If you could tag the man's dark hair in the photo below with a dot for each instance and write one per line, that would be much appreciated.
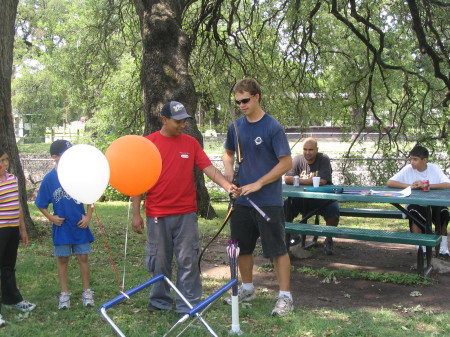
(419, 151)
(248, 84)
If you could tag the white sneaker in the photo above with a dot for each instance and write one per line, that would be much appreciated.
(243, 296)
(88, 298)
(444, 252)
(64, 300)
(443, 249)
(23, 306)
(283, 307)
(2, 321)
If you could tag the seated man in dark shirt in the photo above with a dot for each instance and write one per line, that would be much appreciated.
(308, 165)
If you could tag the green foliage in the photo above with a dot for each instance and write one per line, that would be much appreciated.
(34, 148)
(330, 275)
(216, 193)
(82, 64)
(359, 69)
(39, 100)
(356, 66)
(381, 170)
(111, 194)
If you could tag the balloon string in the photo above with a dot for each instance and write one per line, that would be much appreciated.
(126, 245)
(103, 232)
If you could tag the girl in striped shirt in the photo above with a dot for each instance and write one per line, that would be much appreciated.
(12, 229)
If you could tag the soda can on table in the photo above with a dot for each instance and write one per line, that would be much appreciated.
(426, 185)
(296, 181)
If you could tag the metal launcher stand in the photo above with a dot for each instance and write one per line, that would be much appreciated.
(195, 312)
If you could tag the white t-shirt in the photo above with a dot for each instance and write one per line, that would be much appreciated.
(433, 174)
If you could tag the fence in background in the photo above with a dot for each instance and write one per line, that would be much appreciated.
(35, 166)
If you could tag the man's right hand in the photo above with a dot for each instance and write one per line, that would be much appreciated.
(138, 224)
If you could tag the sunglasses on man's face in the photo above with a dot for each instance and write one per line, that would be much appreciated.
(244, 100)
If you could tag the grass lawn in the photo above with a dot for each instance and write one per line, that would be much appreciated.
(37, 279)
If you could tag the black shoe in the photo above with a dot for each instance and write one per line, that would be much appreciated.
(152, 309)
(328, 246)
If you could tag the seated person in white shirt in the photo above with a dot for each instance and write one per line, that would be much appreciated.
(413, 175)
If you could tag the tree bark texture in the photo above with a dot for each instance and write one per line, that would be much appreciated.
(165, 76)
(8, 12)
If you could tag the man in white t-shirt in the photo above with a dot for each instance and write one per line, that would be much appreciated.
(413, 175)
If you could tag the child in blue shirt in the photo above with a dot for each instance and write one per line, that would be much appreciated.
(70, 231)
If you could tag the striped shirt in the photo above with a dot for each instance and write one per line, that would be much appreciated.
(9, 202)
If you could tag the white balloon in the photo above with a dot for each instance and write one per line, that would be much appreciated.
(83, 172)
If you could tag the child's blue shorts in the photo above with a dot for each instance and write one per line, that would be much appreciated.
(68, 250)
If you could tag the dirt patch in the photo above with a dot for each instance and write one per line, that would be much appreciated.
(347, 293)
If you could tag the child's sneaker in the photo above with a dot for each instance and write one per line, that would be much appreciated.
(2, 321)
(243, 296)
(88, 298)
(64, 300)
(23, 306)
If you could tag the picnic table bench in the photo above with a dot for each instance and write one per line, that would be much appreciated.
(427, 240)
(371, 213)
(350, 212)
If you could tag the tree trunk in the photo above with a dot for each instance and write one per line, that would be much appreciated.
(8, 11)
(164, 73)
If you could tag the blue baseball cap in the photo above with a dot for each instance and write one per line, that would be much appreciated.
(174, 110)
(59, 146)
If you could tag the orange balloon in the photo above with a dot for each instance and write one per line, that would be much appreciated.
(135, 164)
